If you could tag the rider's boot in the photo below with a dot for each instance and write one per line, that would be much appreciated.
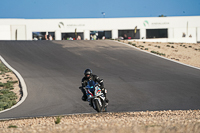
(84, 97)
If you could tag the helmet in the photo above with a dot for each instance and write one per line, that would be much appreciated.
(88, 72)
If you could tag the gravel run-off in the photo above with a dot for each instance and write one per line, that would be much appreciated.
(177, 121)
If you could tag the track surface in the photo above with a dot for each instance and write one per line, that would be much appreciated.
(136, 81)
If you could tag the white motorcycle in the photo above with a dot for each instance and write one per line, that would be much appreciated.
(95, 97)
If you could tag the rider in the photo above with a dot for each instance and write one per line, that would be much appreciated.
(89, 76)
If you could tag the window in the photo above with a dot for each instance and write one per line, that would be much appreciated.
(157, 33)
(129, 34)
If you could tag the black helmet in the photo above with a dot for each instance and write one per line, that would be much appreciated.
(88, 72)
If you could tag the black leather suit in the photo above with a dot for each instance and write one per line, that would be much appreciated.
(95, 78)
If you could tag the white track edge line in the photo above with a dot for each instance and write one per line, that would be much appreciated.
(159, 56)
(22, 82)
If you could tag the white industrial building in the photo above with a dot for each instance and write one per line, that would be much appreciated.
(156, 29)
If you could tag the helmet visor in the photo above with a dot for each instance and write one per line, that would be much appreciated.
(87, 75)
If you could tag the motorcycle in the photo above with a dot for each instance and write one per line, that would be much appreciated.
(95, 97)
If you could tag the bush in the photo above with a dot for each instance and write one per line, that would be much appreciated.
(190, 46)
(134, 44)
(153, 52)
(146, 49)
(3, 105)
(57, 120)
(4, 99)
(12, 126)
(11, 95)
(172, 46)
(129, 43)
(7, 100)
(168, 45)
(7, 85)
(158, 46)
(5, 91)
(163, 54)
(1, 84)
(157, 53)
(3, 68)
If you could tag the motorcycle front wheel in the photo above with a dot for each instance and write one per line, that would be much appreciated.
(98, 107)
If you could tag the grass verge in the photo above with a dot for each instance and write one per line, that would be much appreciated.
(7, 97)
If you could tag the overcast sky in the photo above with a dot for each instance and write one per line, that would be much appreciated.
(39, 9)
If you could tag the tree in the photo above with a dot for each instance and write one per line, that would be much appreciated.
(162, 15)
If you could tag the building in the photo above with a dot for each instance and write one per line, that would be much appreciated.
(151, 29)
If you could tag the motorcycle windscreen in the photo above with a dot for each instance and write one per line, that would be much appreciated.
(91, 85)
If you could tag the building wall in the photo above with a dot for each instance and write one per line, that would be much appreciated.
(18, 32)
(176, 27)
(5, 32)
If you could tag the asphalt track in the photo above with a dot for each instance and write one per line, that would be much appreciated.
(136, 81)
